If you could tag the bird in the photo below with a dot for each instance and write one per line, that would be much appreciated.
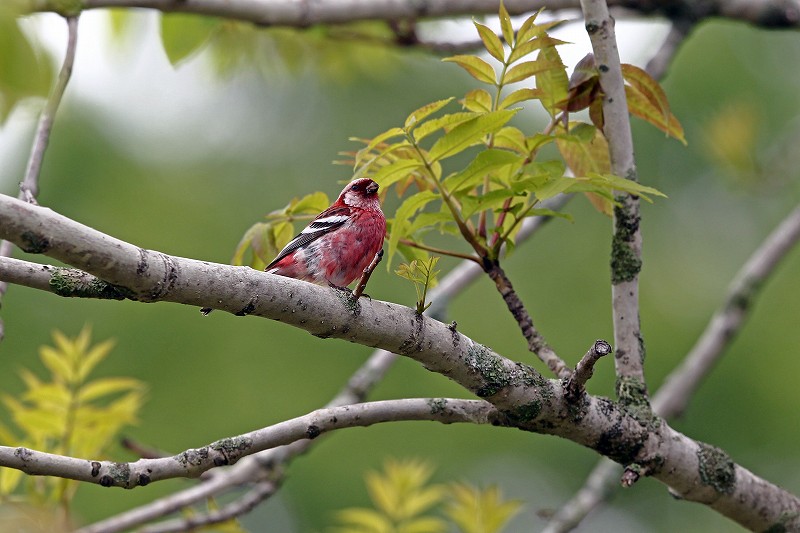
(339, 243)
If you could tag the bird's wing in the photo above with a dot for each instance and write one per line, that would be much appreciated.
(329, 220)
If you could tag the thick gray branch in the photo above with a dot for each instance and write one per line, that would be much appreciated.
(302, 13)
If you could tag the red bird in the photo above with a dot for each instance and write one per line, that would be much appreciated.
(340, 242)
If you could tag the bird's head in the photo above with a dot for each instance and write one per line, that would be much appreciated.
(361, 193)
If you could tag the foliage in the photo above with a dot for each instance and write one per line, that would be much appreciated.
(422, 273)
(480, 511)
(24, 70)
(68, 414)
(403, 501)
(504, 180)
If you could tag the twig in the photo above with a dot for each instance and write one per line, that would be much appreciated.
(141, 450)
(362, 283)
(576, 384)
(536, 342)
(626, 250)
(241, 506)
(660, 62)
(681, 384)
(440, 251)
(597, 488)
(29, 187)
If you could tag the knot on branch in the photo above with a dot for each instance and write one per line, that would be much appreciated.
(575, 385)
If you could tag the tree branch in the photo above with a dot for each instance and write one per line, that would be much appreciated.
(523, 398)
(626, 248)
(680, 385)
(193, 462)
(764, 13)
(29, 187)
(241, 506)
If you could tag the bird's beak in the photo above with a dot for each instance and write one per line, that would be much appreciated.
(372, 188)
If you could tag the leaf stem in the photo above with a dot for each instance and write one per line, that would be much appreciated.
(440, 251)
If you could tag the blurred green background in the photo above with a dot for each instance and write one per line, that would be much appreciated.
(183, 161)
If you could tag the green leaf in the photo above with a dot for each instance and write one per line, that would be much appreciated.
(480, 511)
(385, 136)
(107, 386)
(469, 133)
(396, 171)
(505, 25)
(183, 35)
(484, 163)
(528, 29)
(525, 70)
(490, 200)
(647, 100)
(528, 47)
(511, 138)
(312, 203)
(520, 95)
(423, 112)
(478, 100)
(553, 82)
(56, 363)
(476, 67)
(363, 521)
(624, 185)
(402, 218)
(94, 356)
(119, 21)
(446, 122)
(640, 106)
(491, 41)
(24, 71)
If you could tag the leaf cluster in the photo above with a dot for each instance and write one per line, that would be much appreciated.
(68, 413)
(24, 69)
(422, 273)
(505, 178)
(403, 502)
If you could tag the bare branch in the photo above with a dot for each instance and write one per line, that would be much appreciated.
(626, 249)
(29, 188)
(597, 488)
(660, 62)
(679, 387)
(193, 462)
(257, 494)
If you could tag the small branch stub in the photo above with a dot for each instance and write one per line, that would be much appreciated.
(575, 385)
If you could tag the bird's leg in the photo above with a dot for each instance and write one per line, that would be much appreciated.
(362, 283)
